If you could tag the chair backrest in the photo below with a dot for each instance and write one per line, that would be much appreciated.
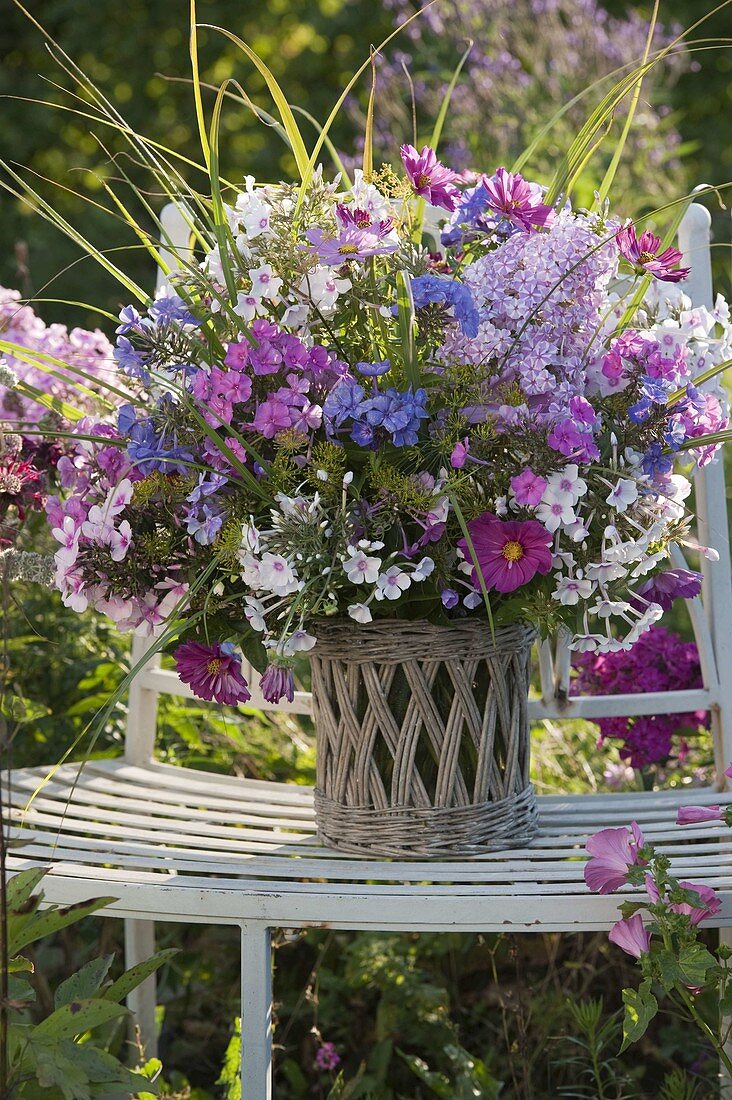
(711, 614)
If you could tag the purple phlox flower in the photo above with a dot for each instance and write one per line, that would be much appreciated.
(374, 370)
(528, 488)
(130, 361)
(204, 525)
(583, 412)
(129, 319)
(573, 439)
(429, 289)
(277, 681)
(212, 671)
(206, 487)
(237, 355)
(149, 451)
(272, 416)
(646, 258)
(430, 179)
(631, 935)
(327, 1057)
(350, 244)
(262, 329)
(171, 309)
(459, 454)
(673, 584)
(518, 201)
(613, 852)
(449, 598)
(343, 402)
(308, 418)
(266, 358)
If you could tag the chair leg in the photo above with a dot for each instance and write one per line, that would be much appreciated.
(256, 1012)
(139, 946)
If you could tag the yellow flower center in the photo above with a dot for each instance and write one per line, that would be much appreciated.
(347, 249)
(513, 551)
(423, 181)
(646, 257)
(214, 666)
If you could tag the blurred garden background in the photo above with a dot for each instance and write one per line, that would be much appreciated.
(408, 1017)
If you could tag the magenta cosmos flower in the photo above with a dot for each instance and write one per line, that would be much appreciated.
(613, 852)
(212, 672)
(430, 179)
(517, 200)
(509, 552)
(631, 935)
(645, 256)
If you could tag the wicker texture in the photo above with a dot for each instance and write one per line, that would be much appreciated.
(423, 738)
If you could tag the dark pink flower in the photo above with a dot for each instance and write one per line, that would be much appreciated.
(509, 552)
(645, 256)
(695, 815)
(459, 455)
(613, 852)
(710, 903)
(430, 179)
(212, 672)
(327, 1057)
(673, 584)
(518, 201)
(276, 682)
(631, 935)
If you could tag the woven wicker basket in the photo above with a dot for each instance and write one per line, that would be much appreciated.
(422, 738)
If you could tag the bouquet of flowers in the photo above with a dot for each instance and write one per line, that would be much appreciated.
(332, 420)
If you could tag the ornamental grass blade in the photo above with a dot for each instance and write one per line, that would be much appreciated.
(292, 130)
(197, 97)
(407, 325)
(444, 106)
(222, 229)
(368, 141)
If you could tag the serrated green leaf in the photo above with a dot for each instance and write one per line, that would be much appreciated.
(640, 1008)
(693, 963)
(54, 1068)
(84, 983)
(133, 977)
(76, 1018)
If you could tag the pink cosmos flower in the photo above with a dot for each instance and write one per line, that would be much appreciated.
(613, 851)
(517, 200)
(644, 255)
(631, 935)
(509, 552)
(528, 488)
(212, 671)
(695, 815)
(351, 244)
(430, 179)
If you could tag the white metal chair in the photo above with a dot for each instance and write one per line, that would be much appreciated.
(181, 845)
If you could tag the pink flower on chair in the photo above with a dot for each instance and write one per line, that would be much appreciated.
(212, 671)
(710, 906)
(631, 935)
(613, 852)
(695, 815)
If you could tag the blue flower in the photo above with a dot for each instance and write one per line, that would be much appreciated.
(130, 319)
(130, 360)
(374, 370)
(640, 411)
(656, 462)
(205, 525)
(171, 309)
(342, 402)
(148, 451)
(427, 289)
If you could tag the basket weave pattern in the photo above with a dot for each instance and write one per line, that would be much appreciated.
(423, 738)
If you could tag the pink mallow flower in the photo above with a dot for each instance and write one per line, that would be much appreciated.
(710, 903)
(644, 254)
(430, 179)
(631, 935)
(212, 672)
(518, 201)
(509, 553)
(613, 852)
(695, 815)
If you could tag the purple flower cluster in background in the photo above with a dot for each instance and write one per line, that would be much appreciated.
(659, 661)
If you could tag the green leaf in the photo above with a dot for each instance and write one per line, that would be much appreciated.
(55, 1068)
(52, 920)
(84, 983)
(640, 1008)
(693, 963)
(21, 886)
(133, 977)
(76, 1018)
(407, 324)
